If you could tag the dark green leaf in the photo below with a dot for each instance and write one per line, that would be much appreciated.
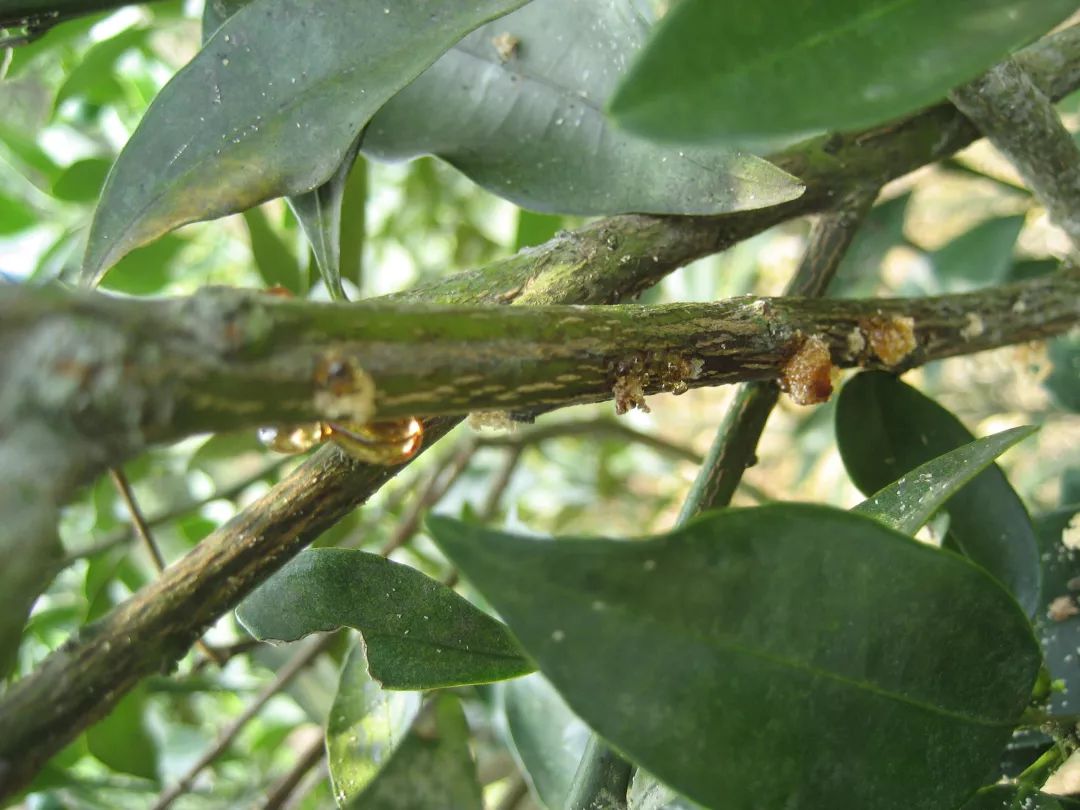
(81, 181)
(906, 504)
(274, 259)
(365, 725)
(146, 270)
(836, 651)
(269, 107)
(419, 634)
(1010, 797)
(431, 769)
(121, 740)
(518, 107)
(978, 257)
(1057, 626)
(319, 212)
(885, 428)
(741, 71)
(545, 735)
(1063, 382)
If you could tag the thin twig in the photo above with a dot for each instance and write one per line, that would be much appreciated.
(437, 486)
(310, 757)
(294, 667)
(500, 482)
(142, 531)
(514, 794)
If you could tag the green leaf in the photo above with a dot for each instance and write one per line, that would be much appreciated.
(1063, 382)
(535, 229)
(885, 428)
(15, 215)
(269, 107)
(419, 634)
(147, 270)
(319, 212)
(979, 257)
(274, 258)
(1011, 797)
(883, 229)
(431, 769)
(93, 78)
(1058, 631)
(518, 107)
(81, 181)
(364, 727)
(121, 740)
(547, 738)
(789, 656)
(907, 504)
(731, 72)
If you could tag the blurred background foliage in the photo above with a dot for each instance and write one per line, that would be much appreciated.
(68, 102)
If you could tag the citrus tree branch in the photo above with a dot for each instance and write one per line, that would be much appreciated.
(601, 263)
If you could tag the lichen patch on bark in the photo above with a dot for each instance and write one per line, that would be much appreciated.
(807, 375)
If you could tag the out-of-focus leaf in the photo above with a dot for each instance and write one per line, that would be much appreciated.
(419, 634)
(518, 107)
(732, 72)
(94, 77)
(30, 160)
(121, 740)
(1058, 619)
(1063, 382)
(535, 229)
(147, 270)
(82, 180)
(50, 44)
(979, 257)
(1031, 268)
(906, 504)
(1012, 797)
(274, 259)
(365, 725)
(431, 769)
(885, 428)
(269, 107)
(15, 215)
(823, 643)
(547, 738)
(882, 230)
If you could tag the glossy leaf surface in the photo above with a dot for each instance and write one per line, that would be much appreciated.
(431, 769)
(419, 634)
(836, 650)
(885, 428)
(717, 71)
(907, 503)
(269, 107)
(364, 727)
(518, 107)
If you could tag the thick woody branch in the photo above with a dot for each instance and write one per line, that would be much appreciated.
(224, 359)
(601, 263)
(1021, 122)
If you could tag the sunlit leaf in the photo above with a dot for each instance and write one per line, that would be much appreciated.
(820, 642)
(737, 71)
(431, 769)
(269, 107)
(906, 504)
(364, 727)
(885, 428)
(419, 634)
(518, 107)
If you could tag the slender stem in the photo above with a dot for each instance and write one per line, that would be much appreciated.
(1036, 774)
(500, 482)
(294, 667)
(310, 758)
(601, 780)
(1020, 120)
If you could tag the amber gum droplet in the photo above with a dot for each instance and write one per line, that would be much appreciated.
(293, 438)
(388, 443)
